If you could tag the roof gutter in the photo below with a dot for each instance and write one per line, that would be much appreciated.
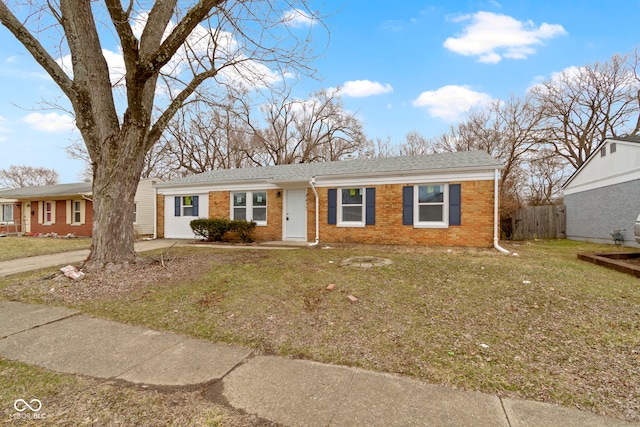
(312, 182)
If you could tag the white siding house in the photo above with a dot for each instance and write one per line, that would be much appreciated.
(145, 207)
(603, 195)
(180, 208)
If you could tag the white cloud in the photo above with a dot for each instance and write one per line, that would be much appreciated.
(11, 59)
(297, 18)
(363, 88)
(115, 62)
(449, 102)
(201, 45)
(492, 36)
(50, 122)
(392, 25)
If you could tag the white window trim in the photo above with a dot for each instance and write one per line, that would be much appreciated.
(355, 224)
(445, 207)
(249, 206)
(42, 212)
(79, 212)
(3, 206)
(71, 212)
(183, 206)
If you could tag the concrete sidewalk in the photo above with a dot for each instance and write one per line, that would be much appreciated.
(23, 265)
(288, 392)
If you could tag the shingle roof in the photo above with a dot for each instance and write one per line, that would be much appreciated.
(47, 191)
(632, 138)
(345, 168)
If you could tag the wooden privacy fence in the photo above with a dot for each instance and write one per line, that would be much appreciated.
(540, 222)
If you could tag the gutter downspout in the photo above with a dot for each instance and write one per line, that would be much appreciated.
(155, 212)
(312, 182)
(496, 217)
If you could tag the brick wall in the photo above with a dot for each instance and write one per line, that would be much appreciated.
(160, 216)
(220, 207)
(61, 227)
(476, 229)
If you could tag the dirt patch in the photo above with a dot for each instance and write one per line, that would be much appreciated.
(366, 262)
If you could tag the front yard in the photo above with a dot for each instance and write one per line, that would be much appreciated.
(541, 326)
(12, 247)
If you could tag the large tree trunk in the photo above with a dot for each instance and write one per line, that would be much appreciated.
(115, 181)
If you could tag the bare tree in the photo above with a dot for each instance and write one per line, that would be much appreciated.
(304, 130)
(416, 144)
(508, 130)
(583, 106)
(208, 135)
(122, 116)
(546, 172)
(77, 150)
(27, 176)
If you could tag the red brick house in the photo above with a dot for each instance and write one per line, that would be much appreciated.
(67, 209)
(446, 199)
(9, 213)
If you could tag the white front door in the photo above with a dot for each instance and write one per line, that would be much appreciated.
(295, 215)
(26, 217)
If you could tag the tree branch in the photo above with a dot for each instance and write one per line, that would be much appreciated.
(39, 53)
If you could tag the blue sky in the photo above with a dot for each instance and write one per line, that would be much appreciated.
(404, 66)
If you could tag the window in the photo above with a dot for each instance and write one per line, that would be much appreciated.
(77, 212)
(7, 212)
(183, 206)
(612, 147)
(135, 213)
(249, 206)
(430, 203)
(259, 200)
(603, 151)
(351, 207)
(430, 206)
(187, 206)
(47, 211)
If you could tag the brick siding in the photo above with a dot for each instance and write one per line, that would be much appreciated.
(61, 227)
(160, 216)
(476, 229)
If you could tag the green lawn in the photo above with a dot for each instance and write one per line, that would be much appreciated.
(12, 247)
(541, 326)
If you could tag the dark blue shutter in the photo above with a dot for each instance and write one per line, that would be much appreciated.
(332, 195)
(455, 204)
(194, 200)
(177, 206)
(370, 217)
(407, 205)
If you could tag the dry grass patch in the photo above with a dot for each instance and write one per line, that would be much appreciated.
(541, 326)
(69, 400)
(13, 247)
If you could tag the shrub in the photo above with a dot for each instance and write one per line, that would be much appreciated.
(214, 229)
(244, 229)
(211, 229)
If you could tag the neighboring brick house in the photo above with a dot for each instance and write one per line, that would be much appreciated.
(9, 214)
(439, 199)
(603, 195)
(67, 208)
